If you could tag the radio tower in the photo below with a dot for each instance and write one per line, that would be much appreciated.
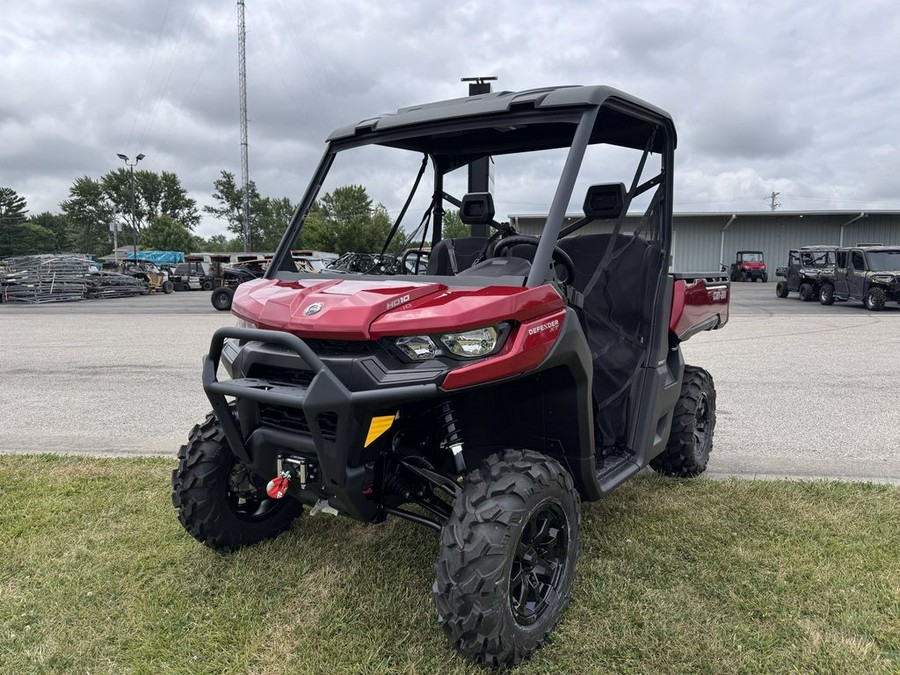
(245, 161)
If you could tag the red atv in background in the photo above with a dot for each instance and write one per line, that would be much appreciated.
(487, 397)
(749, 266)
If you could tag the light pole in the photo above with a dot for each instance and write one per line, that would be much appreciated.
(131, 166)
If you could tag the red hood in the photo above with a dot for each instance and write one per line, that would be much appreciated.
(754, 265)
(356, 309)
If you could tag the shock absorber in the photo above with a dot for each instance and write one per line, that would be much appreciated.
(451, 436)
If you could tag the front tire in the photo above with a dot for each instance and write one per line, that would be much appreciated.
(807, 292)
(507, 557)
(875, 299)
(693, 422)
(826, 294)
(220, 502)
(221, 298)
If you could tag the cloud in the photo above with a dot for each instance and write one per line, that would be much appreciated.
(787, 96)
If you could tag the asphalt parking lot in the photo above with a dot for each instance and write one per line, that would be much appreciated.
(803, 390)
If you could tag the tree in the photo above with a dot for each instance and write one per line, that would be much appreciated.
(219, 243)
(453, 226)
(167, 234)
(272, 219)
(12, 216)
(231, 204)
(345, 219)
(12, 207)
(89, 212)
(155, 195)
(58, 225)
(30, 239)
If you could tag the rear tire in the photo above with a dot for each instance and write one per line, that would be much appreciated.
(220, 502)
(693, 422)
(875, 299)
(826, 294)
(507, 557)
(168, 287)
(806, 292)
(221, 298)
(781, 289)
(207, 285)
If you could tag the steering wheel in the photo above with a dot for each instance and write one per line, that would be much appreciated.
(560, 257)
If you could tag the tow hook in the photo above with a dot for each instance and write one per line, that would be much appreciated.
(278, 486)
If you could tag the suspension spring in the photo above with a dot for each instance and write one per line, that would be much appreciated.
(451, 435)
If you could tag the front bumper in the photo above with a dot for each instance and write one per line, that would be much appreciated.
(331, 420)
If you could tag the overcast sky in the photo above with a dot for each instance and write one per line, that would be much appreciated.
(796, 97)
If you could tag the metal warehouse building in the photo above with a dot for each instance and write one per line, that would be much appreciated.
(704, 240)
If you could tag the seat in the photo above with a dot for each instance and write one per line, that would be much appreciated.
(452, 256)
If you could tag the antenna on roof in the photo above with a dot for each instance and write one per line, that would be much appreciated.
(481, 79)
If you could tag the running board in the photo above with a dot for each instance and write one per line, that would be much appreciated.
(611, 477)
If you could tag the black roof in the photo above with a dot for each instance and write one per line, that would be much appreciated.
(623, 120)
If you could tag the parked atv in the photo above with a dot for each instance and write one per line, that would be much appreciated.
(809, 273)
(192, 275)
(749, 266)
(232, 277)
(154, 278)
(486, 398)
(870, 274)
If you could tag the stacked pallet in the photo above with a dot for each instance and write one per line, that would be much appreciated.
(113, 285)
(40, 279)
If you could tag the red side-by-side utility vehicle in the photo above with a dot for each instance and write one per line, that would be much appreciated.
(523, 373)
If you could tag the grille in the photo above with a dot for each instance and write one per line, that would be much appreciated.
(288, 376)
(293, 420)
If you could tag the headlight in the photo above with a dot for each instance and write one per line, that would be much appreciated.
(246, 324)
(417, 347)
(883, 278)
(471, 343)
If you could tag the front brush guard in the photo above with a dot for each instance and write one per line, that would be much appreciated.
(325, 394)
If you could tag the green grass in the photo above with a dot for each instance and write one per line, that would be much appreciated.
(97, 576)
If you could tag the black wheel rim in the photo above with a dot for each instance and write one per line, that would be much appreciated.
(246, 495)
(701, 423)
(539, 564)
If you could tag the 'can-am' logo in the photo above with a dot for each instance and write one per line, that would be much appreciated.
(396, 302)
(314, 308)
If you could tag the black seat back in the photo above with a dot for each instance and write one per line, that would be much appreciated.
(452, 256)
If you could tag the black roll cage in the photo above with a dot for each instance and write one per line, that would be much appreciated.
(584, 117)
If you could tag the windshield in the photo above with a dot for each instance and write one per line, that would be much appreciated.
(751, 256)
(817, 258)
(373, 202)
(884, 261)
